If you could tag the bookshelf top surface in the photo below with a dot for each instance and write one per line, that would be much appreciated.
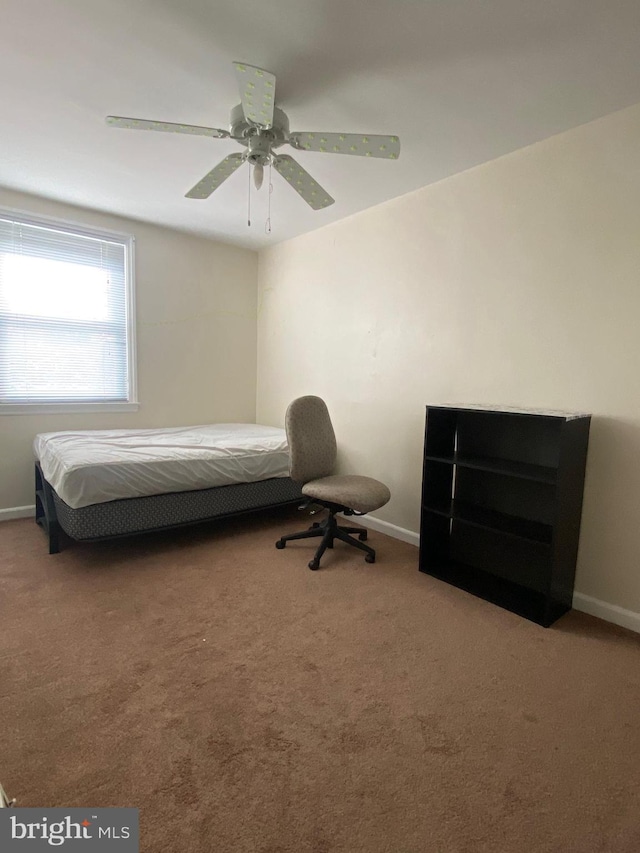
(513, 410)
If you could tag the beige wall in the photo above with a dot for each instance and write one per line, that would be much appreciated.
(515, 283)
(196, 335)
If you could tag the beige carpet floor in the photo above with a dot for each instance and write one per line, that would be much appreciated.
(248, 705)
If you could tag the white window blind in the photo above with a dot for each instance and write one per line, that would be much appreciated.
(64, 306)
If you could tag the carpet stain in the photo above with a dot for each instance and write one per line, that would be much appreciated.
(512, 800)
(120, 693)
(276, 742)
(179, 785)
(350, 740)
(435, 739)
(225, 751)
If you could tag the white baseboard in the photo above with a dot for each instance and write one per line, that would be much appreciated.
(608, 612)
(17, 512)
(373, 523)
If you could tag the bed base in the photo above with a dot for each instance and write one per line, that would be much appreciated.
(117, 519)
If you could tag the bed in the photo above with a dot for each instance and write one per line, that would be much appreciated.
(102, 484)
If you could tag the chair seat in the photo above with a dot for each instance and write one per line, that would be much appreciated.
(362, 494)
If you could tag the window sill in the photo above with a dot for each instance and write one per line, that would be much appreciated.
(64, 408)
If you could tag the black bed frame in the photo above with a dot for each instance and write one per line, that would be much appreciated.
(132, 516)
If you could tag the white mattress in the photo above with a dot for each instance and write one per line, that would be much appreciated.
(95, 466)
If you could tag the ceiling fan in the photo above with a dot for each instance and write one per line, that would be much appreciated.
(261, 127)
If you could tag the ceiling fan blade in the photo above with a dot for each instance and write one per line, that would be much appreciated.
(302, 182)
(257, 93)
(216, 176)
(166, 126)
(359, 144)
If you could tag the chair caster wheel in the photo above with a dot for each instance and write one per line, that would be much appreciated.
(314, 525)
(314, 565)
(280, 544)
(363, 536)
(369, 558)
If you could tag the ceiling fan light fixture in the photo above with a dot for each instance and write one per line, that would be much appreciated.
(258, 175)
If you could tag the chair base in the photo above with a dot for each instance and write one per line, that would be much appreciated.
(330, 530)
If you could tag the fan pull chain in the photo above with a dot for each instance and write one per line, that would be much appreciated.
(267, 224)
(249, 200)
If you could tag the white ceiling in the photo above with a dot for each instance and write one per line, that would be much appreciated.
(460, 81)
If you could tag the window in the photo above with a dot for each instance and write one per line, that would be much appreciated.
(66, 317)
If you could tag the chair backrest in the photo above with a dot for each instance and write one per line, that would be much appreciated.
(312, 441)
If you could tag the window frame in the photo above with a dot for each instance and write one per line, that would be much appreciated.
(128, 241)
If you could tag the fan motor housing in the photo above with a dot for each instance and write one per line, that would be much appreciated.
(258, 139)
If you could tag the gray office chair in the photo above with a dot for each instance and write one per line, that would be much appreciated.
(312, 449)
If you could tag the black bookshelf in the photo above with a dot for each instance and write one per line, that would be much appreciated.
(501, 505)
